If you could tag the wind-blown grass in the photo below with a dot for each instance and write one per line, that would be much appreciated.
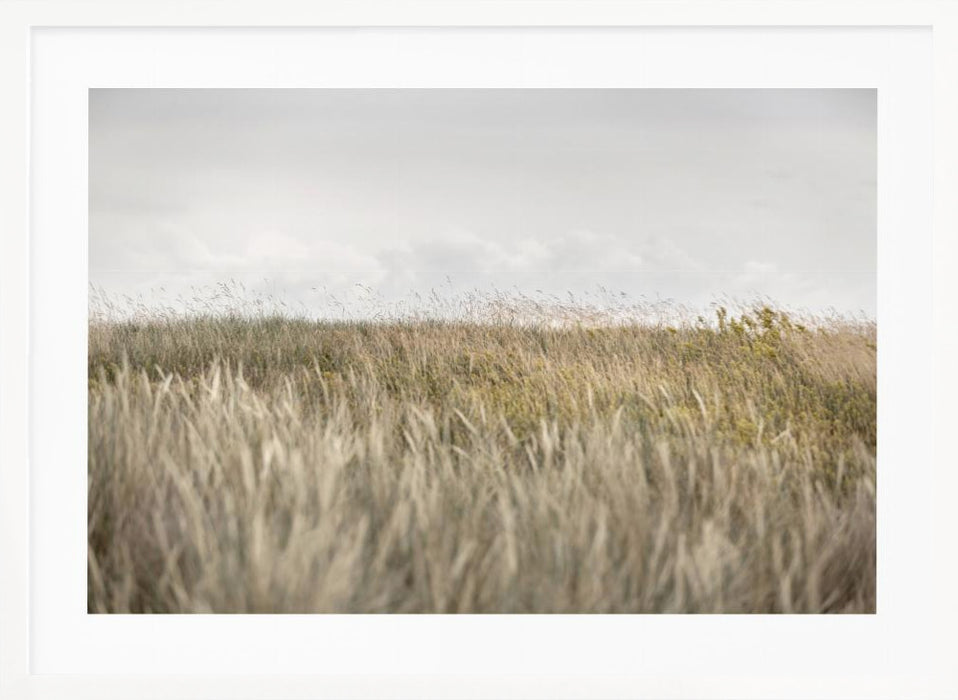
(270, 464)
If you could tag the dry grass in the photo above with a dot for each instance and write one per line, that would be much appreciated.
(281, 465)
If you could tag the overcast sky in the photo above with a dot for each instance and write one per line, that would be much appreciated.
(684, 194)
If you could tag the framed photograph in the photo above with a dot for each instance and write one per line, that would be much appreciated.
(478, 350)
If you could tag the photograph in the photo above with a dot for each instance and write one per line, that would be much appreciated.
(481, 350)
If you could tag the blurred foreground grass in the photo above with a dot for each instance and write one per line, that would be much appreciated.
(280, 465)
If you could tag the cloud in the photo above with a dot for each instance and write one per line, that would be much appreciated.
(340, 277)
(572, 261)
(663, 194)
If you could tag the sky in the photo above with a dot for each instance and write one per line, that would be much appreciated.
(688, 195)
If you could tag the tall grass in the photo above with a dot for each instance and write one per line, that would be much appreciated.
(269, 464)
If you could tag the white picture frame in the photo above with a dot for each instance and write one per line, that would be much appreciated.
(613, 663)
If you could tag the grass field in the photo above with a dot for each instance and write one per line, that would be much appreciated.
(279, 465)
